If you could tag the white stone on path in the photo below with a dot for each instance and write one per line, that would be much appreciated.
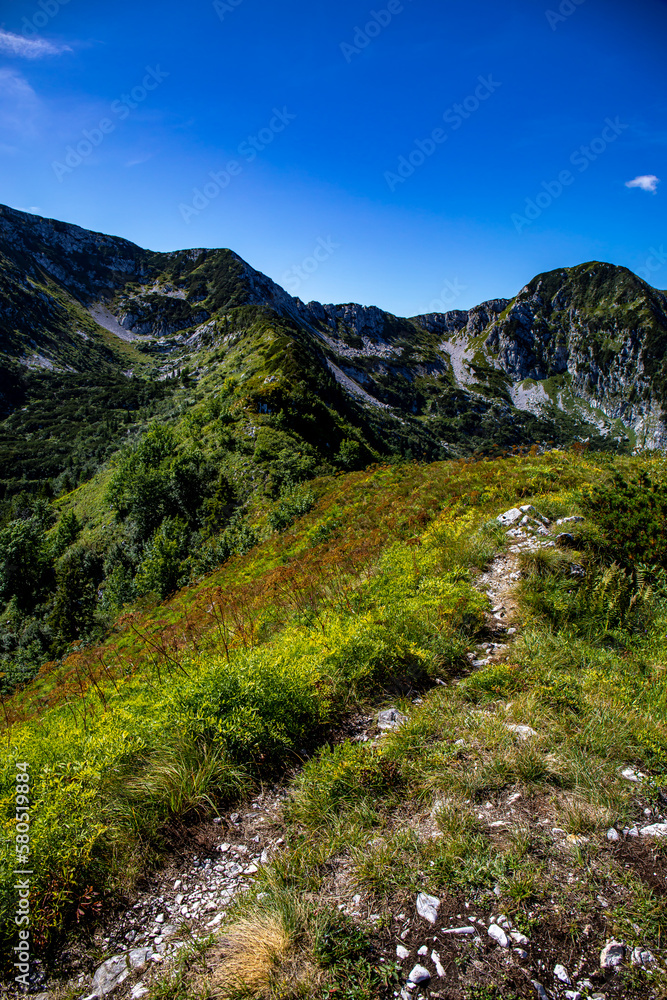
(498, 935)
(510, 517)
(643, 959)
(655, 830)
(428, 906)
(419, 975)
(439, 968)
(560, 972)
(402, 953)
(613, 835)
(612, 955)
(460, 931)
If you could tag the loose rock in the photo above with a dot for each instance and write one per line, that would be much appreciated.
(391, 718)
(419, 975)
(439, 968)
(655, 830)
(643, 959)
(612, 955)
(523, 732)
(560, 972)
(428, 906)
(498, 935)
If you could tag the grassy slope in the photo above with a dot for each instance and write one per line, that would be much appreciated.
(368, 595)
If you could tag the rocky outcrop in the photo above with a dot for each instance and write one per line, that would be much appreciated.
(580, 352)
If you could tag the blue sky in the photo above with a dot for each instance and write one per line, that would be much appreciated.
(415, 155)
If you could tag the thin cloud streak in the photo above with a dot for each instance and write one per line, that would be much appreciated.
(29, 48)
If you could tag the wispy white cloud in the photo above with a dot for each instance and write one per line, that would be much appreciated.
(647, 182)
(29, 48)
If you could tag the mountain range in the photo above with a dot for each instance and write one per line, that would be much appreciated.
(578, 353)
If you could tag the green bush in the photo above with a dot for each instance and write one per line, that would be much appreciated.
(294, 502)
(631, 515)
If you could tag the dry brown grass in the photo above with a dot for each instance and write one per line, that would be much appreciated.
(258, 958)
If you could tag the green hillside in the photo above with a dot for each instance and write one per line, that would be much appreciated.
(372, 597)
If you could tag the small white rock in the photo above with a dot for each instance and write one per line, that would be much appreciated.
(560, 972)
(423, 951)
(391, 718)
(439, 968)
(498, 935)
(419, 975)
(519, 938)
(402, 952)
(523, 732)
(540, 990)
(654, 830)
(459, 931)
(428, 906)
(643, 959)
(613, 835)
(612, 955)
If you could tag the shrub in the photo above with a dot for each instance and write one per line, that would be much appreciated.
(631, 514)
(294, 502)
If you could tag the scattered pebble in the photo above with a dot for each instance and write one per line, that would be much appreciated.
(498, 935)
(560, 972)
(428, 906)
(612, 955)
(419, 975)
